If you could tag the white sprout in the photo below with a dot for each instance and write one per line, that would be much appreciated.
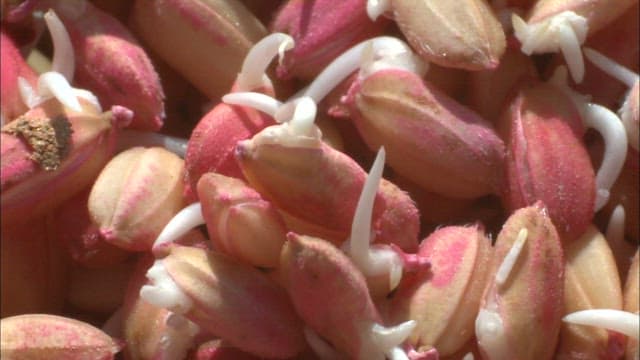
(53, 84)
(56, 83)
(502, 275)
(489, 325)
(257, 61)
(490, 331)
(609, 125)
(163, 291)
(296, 118)
(383, 47)
(629, 78)
(563, 32)
(611, 67)
(371, 261)
(387, 339)
(131, 138)
(63, 60)
(258, 101)
(617, 320)
(375, 8)
(185, 220)
(302, 122)
(615, 237)
(296, 126)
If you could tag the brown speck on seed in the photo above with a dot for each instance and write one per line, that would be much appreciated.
(50, 139)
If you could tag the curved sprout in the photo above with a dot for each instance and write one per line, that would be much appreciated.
(257, 61)
(53, 84)
(628, 111)
(56, 83)
(617, 320)
(611, 67)
(360, 238)
(388, 339)
(185, 220)
(609, 125)
(381, 259)
(565, 32)
(371, 261)
(384, 47)
(258, 101)
(63, 58)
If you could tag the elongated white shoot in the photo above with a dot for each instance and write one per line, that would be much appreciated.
(257, 61)
(63, 58)
(375, 8)
(609, 125)
(563, 32)
(628, 114)
(360, 238)
(185, 220)
(350, 61)
(378, 260)
(611, 67)
(617, 320)
(258, 101)
(502, 275)
(56, 83)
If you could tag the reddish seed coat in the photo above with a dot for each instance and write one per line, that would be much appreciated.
(211, 147)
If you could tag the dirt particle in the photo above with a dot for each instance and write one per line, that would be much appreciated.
(50, 139)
